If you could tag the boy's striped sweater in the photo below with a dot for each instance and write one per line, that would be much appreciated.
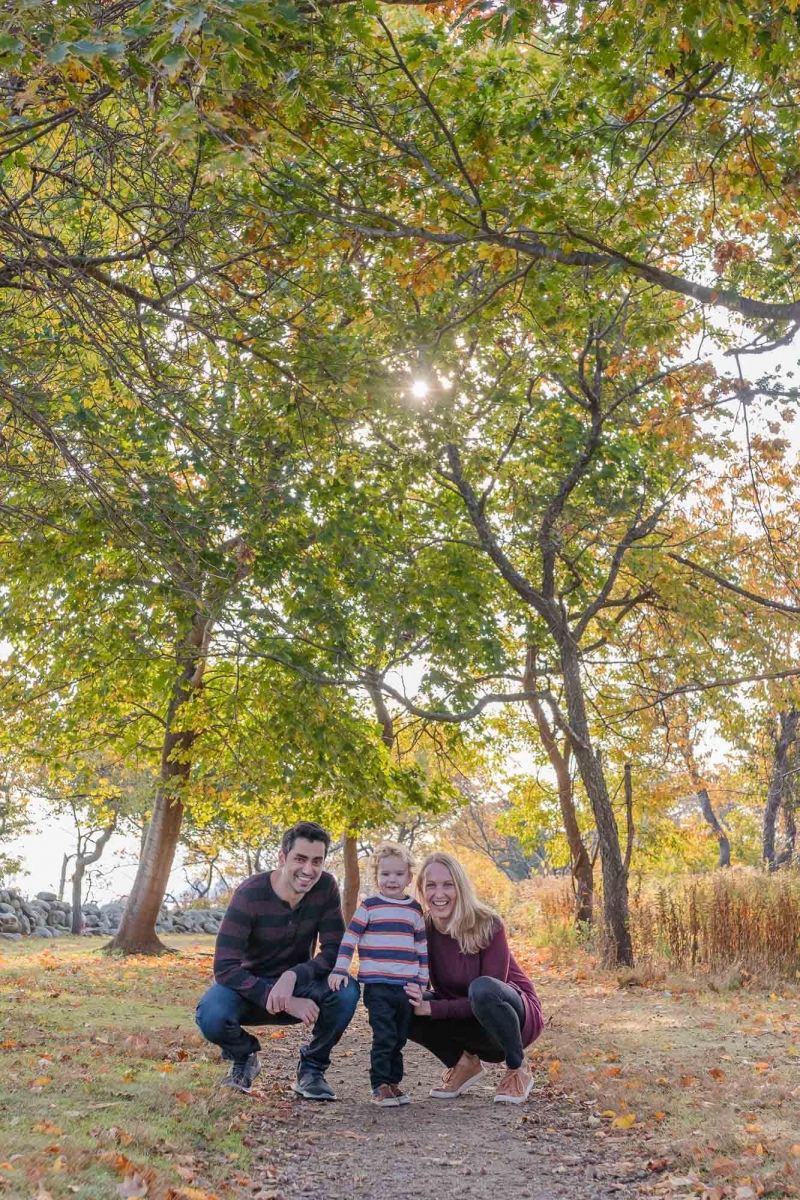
(391, 941)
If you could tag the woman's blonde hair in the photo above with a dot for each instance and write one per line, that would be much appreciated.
(391, 850)
(473, 922)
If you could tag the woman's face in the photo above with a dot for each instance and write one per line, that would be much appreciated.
(440, 892)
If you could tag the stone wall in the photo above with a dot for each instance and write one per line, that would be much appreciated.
(45, 916)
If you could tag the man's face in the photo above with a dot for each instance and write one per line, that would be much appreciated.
(302, 866)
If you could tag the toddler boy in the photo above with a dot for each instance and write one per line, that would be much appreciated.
(389, 931)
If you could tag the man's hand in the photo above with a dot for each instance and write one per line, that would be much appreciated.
(282, 991)
(305, 1010)
(336, 981)
(421, 1006)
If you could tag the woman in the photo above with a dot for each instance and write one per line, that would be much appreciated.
(483, 1006)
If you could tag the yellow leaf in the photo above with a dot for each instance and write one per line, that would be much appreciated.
(624, 1122)
(609, 1112)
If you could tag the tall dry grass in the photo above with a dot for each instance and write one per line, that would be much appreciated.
(745, 920)
(736, 920)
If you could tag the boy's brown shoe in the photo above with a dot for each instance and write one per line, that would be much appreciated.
(515, 1086)
(401, 1096)
(384, 1096)
(464, 1075)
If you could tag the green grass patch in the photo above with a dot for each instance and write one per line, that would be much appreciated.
(106, 1087)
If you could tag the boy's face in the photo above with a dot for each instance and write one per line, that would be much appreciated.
(394, 876)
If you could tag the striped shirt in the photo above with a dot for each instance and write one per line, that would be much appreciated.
(261, 936)
(390, 936)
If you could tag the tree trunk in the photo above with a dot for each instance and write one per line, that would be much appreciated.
(77, 895)
(352, 876)
(778, 784)
(82, 861)
(719, 833)
(619, 947)
(790, 829)
(137, 930)
(580, 863)
(703, 798)
(62, 882)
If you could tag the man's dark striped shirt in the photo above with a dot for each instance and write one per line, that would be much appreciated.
(261, 936)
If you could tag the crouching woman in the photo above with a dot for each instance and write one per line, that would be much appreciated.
(483, 1006)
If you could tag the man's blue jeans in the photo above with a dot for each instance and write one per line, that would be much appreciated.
(222, 1012)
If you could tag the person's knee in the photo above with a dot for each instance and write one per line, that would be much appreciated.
(214, 1020)
(482, 990)
(344, 1002)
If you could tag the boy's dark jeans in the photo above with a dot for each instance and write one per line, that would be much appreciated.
(390, 1016)
(222, 1012)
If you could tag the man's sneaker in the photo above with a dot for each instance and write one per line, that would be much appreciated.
(312, 1085)
(399, 1094)
(384, 1096)
(460, 1078)
(242, 1074)
(515, 1086)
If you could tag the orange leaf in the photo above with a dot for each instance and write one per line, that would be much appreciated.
(47, 1127)
(717, 1073)
(613, 1071)
(687, 1080)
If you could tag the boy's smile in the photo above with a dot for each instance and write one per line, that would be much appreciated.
(393, 877)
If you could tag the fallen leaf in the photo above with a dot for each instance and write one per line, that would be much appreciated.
(717, 1073)
(48, 1127)
(657, 1164)
(132, 1187)
(613, 1071)
(624, 1122)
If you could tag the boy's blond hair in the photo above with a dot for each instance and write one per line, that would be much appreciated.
(391, 850)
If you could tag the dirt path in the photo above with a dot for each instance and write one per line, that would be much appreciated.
(467, 1147)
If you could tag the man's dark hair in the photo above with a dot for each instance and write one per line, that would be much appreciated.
(309, 830)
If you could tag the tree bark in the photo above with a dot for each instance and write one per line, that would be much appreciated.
(62, 882)
(82, 861)
(723, 840)
(137, 931)
(580, 863)
(629, 825)
(352, 876)
(616, 921)
(703, 798)
(779, 782)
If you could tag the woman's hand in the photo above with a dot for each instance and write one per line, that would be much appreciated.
(421, 1006)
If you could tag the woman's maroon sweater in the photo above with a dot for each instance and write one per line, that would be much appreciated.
(452, 972)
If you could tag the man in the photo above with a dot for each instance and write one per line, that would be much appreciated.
(264, 970)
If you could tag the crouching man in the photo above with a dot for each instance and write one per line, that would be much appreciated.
(264, 970)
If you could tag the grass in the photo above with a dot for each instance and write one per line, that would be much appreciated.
(699, 1082)
(106, 1087)
(107, 1091)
